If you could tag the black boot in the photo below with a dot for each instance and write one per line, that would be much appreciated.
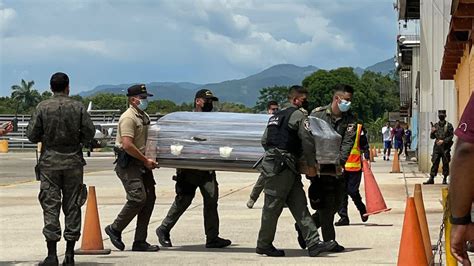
(300, 238)
(163, 236)
(52, 258)
(270, 252)
(320, 247)
(445, 180)
(115, 237)
(342, 222)
(69, 256)
(430, 181)
(218, 243)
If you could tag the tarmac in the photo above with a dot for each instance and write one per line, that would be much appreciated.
(375, 242)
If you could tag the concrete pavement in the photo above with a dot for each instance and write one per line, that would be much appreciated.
(375, 242)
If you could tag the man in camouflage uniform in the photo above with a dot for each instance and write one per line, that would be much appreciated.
(443, 133)
(287, 138)
(187, 181)
(134, 170)
(327, 190)
(62, 125)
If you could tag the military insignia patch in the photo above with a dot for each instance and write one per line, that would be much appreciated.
(274, 121)
(351, 128)
(306, 125)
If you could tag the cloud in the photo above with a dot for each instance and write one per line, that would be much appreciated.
(199, 41)
(7, 16)
(24, 48)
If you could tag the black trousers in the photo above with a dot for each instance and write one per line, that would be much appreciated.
(329, 192)
(352, 189)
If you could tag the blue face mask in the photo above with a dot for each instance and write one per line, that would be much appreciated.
(344, 105)
(143, 104)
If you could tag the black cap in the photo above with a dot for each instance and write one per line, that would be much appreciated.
(206, 94)
(441, 112)
(139, 90)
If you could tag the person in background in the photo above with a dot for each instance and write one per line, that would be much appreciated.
(272, 108)
(442, 132)
(387, 141)
(461, 188)
(398, 134)
(407, 141)
(353, 175)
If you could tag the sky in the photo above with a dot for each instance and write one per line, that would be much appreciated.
(100, 42)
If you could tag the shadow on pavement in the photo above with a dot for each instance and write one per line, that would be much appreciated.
(371, 224)
(237, 249)
(8, 263)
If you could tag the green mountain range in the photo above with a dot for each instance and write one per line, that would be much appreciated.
(245, 90)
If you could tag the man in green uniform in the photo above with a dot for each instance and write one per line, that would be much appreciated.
(443, 133)
(272, 108)
(327, 190)
(62, 125)
(187, 181)
(134, 169)
(287, 138)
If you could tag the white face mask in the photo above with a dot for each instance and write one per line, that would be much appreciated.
(143, 104)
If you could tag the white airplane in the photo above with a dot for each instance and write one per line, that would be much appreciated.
(103, 130)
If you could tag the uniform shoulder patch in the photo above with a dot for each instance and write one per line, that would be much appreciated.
(351, 128)
(306, 124)
(318, 109)
(303, 110)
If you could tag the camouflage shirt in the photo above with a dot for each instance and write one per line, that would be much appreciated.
(62, 125)
(444, 131)
(346, 126)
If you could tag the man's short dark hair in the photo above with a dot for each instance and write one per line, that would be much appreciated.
(343, 88)
(270, 103)
(59, 82)
(296, 90)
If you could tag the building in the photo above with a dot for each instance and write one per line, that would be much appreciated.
(429, 93)
(458, 58)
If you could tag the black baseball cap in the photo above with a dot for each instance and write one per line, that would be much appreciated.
(441, 112)
(206, 94)
(139, 90)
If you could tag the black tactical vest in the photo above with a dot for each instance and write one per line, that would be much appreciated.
(280, 135)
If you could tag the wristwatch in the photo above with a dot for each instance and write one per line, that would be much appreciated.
(466, 219)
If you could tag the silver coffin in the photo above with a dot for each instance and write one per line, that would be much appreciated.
(207, 141)
(224, 141)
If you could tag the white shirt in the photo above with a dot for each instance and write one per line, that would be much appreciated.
(387, 133)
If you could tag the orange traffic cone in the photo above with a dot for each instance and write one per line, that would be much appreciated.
(420, 210)
(371, 155)
(396, 163)
(412, 250)
(373, 196)
(92, 236)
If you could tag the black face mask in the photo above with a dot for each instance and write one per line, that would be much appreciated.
(305, 105)
(207, 107)
(441, 117)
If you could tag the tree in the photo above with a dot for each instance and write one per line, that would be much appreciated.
(25, 96)
(275, 93)
(46, 95)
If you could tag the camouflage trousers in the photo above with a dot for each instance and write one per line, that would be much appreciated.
(62, 188)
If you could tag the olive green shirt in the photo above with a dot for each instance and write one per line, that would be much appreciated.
(133, 124)
(346, 126)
